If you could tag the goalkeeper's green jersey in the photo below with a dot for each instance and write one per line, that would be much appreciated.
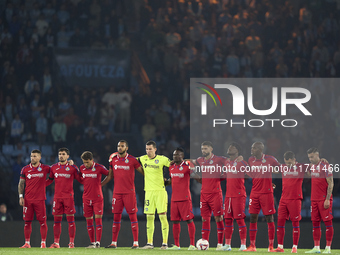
(153, 171)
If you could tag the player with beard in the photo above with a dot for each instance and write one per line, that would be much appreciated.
(63, 175)
(32, 183)
(321, 200)
(235, 198)
(211, 193)
(261, 196)
(122, 169)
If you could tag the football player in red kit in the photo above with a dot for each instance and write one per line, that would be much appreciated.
(93, 202)
(122, 169)
(32, 196)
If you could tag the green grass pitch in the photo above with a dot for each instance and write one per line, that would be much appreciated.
(128, 251)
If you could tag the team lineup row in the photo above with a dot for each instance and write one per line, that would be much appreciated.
(122, 168)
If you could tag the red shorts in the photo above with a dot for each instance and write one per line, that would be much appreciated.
(31, 206)
(234, 208)
(90, 206)
(63, 206)
(318, 211)
(181, 210)
(261, 201)
(289, 209)
(211, 202)
(119, 201)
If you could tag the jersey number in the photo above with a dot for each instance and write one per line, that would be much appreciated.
(113, 201)
(147, 202)
(250, 200)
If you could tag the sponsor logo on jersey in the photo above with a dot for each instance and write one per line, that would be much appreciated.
(121, 167)
(89, 175)
(29, 176)
(151, 166)
(177, 175)
(315, 174)
(62, 175)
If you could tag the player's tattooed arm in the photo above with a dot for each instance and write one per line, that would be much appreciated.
(21, 187)
(108, 178)
(140, 169)
(330, 187)
(329, 191)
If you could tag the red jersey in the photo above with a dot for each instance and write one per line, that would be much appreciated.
(63, 176)
(235, 178)
(211, 181)
(292, 179)
(124, 173)
(180, 181)
(92, 181)
(35, 178)
(319, 173)
(261, 173)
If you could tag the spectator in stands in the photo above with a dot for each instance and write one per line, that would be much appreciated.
(59, 132)
(17, 129)
(125, 101)
(4, 214)
(107, 117)
(41, 128)
(64, 106)
(148, 130)
(29, 86)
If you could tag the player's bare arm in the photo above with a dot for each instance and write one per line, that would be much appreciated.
(140, 170)
(108, 178)
(21, 187)
(329, 191)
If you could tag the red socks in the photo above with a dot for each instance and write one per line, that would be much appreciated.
(242, 228)
(28, 230)
(316, 233)
(43, 230)
(220, 231)
(90, 229)
(281, 230)
(176, 229)
(99, 229)
(228, 230)
(296, 232)
(271, 233)
(57, 228)
(206, 228)
(71, 228)
(116, 226)
(192, 230)
(134, 226)
(252, 233)
(329, 232)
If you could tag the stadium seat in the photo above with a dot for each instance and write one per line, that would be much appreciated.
(32, 147)
(47, 150)
(7, 149)
(336, 202)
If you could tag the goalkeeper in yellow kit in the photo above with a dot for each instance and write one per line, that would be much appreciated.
(156, 197)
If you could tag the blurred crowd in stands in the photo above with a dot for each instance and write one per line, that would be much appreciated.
(179, 39)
